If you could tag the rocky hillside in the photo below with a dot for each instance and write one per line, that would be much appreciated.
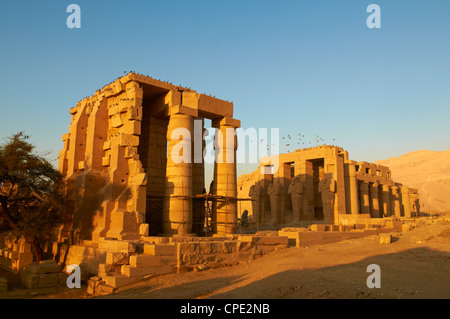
(429, 171)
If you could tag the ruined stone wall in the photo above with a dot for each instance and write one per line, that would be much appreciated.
(101, 162)
(115, 158)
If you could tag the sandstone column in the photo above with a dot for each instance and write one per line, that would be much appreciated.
(386, 201)
(353, 189)
(406, 201)
(375, 211)
(225, 179)
(177, 214)
(395, 201)
(365, 205)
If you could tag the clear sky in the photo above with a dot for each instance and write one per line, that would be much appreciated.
(308, 67)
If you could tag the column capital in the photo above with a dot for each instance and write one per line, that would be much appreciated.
(226, 121)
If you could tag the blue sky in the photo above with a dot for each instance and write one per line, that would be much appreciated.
(311, 67)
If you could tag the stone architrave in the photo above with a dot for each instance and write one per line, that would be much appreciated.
(297, 191)
(274, 192)
(327, 188)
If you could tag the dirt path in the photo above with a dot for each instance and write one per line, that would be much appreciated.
(417, 265)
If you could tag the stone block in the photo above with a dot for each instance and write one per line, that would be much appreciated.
(93, 284)
(318, 227)
(116, 245)
(106, 161)
(116, 281)
(29, 279)
(272, 240)
(247, 239)
(143, 229)
(128, 140)
(62, 278)
(144, 260)
(3, 284)
(155, 239)
(229, 246)
(44, 268)
(188, 248)
(48, 280)
(159, 249)
(169, 260)
(114, 258)
(385, 238)
(370, 231)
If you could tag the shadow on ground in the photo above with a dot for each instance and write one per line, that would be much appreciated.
(414, 273)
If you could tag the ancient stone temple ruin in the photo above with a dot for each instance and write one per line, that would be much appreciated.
(323, 184)
(115, 157)
(139, 211)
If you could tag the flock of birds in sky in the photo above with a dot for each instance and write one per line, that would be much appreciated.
(290, 143)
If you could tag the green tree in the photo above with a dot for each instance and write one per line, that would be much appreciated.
(32, 192)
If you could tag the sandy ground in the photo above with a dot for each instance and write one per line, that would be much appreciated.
(416, 265)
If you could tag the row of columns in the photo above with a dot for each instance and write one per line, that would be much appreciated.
(178, 206)
(391, 201)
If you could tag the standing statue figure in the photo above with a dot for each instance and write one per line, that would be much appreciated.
(327, 188)
(297, 191)
(254, 194)
(274, 192)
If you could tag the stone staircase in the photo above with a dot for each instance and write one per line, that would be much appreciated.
(127, 263)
